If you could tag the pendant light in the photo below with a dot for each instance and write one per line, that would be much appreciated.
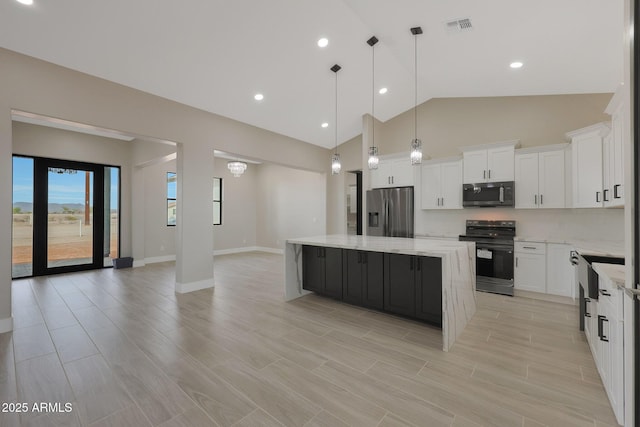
(373, 150)
(236, 167)
(416, 144)
(335, 159)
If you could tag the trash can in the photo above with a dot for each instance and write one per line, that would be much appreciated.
(125, 262)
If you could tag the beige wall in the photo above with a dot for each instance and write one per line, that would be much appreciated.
(238, 229)
(290, 203)
(446, 124)
(351, 160)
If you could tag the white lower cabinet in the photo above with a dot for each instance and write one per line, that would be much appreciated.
(530, 267)
(544, 268)
(606, 335)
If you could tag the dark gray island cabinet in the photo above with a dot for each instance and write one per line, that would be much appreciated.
(407, 285)
(427, 280)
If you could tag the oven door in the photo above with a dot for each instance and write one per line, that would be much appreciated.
(494, 268)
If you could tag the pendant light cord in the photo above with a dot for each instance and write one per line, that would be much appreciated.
(373, 96)
(336, 130)
(415, 102)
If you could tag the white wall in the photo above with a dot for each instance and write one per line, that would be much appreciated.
(291, 203)
(159, 239)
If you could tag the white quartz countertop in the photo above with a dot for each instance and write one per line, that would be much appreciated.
(615, 272)
(400, 245)
(584, 247)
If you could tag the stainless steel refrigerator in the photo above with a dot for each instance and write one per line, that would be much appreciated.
(390, 212)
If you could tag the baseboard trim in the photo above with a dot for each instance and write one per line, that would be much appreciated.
(545, 297)
(138, 263)
(156, 259)
(183, 288)
(6, 325)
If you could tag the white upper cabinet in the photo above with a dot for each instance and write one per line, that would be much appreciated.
(489, 163)
(540, 177)
(587, 165)
(441, 185)
(393, 172)
(614, 151)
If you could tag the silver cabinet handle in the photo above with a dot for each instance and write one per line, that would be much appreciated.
(442, 201)
(615, 191)
(529, 247)
(541, 202)
(489, 173)
(597, 197)
(516, 262)
(535, 199)
(484, 174)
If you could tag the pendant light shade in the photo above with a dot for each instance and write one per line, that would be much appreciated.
(237, 168)
(335, 158)
(416, 144)
(373, 160)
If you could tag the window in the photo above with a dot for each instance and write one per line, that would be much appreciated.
(171, 198)
(217, 201)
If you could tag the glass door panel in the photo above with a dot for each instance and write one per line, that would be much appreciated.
(111, 216)
(70, 217)
(22, 228)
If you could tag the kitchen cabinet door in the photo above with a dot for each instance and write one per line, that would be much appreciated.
(526, 180)
(587, 170)
(607, 171)
(352, 279)
(373, 280)
(617, 153)
(429, 289)
(529, 273)
(399, 284)
(402, 173)
(333, 272)
(451, 185)
(474, 166)
(551, 179)
(561, 275)
(313, 269)
(431, 184)
(500, 165)
(381, 177)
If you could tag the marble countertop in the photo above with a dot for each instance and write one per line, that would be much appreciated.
(615, 272)
(400, 245)
(437, 236)
(585, 247)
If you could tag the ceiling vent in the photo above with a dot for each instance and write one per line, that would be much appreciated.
(458, 25)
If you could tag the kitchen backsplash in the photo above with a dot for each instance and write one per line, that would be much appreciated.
(561, 224)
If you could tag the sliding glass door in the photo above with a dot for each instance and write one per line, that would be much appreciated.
(67, 219)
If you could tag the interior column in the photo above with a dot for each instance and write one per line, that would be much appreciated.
(6, 218)
(194, 222)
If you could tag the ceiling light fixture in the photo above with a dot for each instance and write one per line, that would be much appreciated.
(383, 90)
(323, 42)
(335, 158)
(237, 168)
(258, 97)
(416, 144)
(373, 160)
(516, 64)
(25, 2)
(325, 125)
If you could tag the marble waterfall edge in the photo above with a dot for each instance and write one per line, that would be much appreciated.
(458, 271)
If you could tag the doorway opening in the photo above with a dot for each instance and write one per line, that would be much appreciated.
(66, 216)
(354, 203)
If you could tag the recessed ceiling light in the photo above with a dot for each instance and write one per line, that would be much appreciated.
(323, 42)
(258, 97)
(325, 125)
(516, 64)
(27, 2)
(383, 90)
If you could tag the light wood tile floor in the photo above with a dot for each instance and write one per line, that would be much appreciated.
(125, 350)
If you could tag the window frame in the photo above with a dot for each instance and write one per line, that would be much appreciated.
(169, 199)
(218, 201)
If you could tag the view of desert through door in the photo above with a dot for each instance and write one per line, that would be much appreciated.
(65, 216)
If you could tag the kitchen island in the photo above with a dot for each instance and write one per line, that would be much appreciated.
(430, 280)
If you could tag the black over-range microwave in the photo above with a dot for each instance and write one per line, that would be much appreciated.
(488, 194)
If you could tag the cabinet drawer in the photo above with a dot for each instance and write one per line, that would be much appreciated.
(530, 247)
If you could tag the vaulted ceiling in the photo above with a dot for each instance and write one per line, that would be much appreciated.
(217, 54)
